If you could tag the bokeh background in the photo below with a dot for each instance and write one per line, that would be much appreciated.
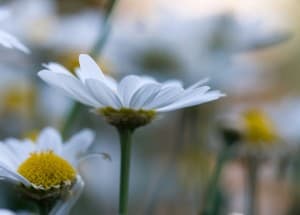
(249, 49)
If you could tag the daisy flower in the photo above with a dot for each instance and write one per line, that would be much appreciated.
(46, 168)
(134, 101)
(129, 104)
(7, 40)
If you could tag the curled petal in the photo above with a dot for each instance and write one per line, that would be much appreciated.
(63, 206)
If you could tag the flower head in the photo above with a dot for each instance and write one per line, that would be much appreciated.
(45, 168)
(141, 96)
(259, 127)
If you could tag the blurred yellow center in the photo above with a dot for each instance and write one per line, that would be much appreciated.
(46, 170)
(259, 127)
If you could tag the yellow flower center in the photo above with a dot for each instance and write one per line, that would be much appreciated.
(46, 170)
(259, 128)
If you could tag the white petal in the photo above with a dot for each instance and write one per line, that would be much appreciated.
(198, 84)
(144, 95)
(77, 145)
(70, 85)
(9, 41)
(19, 150)
(49, 139)
(127, 87)
(166, 96)
(172, 83)
(58, 68)
(89, 68)
(103, 93)
(64, 205)
(8, 174)
(6, 212)
(111, 83)
(192, 100)
(8, 157)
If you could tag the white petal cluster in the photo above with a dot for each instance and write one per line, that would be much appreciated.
(93, 88)
(14, 152)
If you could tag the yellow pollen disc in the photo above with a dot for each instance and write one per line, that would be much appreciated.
(259, 128)
(47, 170)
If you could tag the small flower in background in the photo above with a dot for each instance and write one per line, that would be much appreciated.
(6, 39)
(259, 128)
(134, 100)
(253, 126)
(45, 170)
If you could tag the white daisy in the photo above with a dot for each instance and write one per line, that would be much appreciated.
(46, 167)
(7, 40)
(132, 94)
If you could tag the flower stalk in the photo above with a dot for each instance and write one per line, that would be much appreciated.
(44, 207)
(125, 141)
(212, 193)
(252, 168)
(230, 138)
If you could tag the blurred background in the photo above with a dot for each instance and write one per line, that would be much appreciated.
(249, 49)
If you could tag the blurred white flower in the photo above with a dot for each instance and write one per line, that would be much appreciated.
(95, 89)
(286, 116)
(73, 33)
(7, 40)
(193, 47)
(46, 167)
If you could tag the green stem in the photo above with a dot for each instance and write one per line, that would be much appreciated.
(125, 141)
(252, 182)
(71, 118)
(105, 31)
(95, 52)
(212, 194)
(44, 207)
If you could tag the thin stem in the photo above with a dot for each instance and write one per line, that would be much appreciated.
(44, 207)
(105, 31)
(212, 194)
(252, 188)
(71, 118)
(125, 141)
(95, 52)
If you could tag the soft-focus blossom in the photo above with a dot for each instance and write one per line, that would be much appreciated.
(194, 47)
(258, 127)
(253, 126)
(7, 40)
(46, 167)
